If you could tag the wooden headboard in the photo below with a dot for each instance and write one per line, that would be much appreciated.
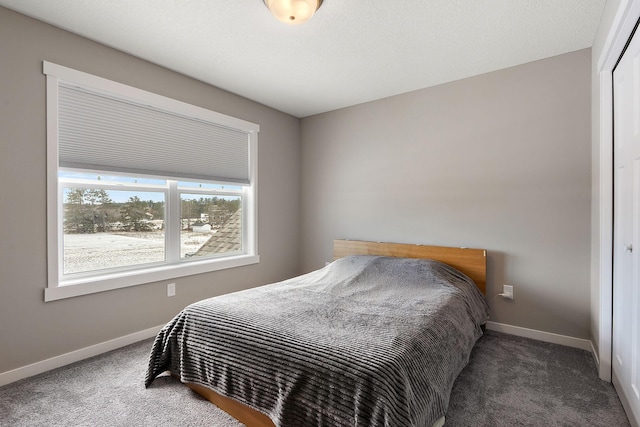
(472, 262)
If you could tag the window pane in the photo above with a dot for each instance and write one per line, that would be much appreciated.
(210, 225)
(105, 229)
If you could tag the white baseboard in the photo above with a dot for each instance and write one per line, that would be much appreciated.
(541, 336)
(75, 356)
(594, 352)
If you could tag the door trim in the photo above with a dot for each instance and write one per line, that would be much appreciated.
(617, 37)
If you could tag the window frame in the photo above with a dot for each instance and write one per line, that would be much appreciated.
(59, 287)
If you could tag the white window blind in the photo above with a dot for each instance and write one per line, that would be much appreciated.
(104, 132)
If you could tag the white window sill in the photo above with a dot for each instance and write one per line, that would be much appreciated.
(78, 287)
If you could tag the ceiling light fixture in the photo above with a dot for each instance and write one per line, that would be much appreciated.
(293, 12)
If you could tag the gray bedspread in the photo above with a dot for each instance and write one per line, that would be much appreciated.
(365, 341)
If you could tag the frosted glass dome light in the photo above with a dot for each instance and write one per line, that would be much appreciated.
(293, 12)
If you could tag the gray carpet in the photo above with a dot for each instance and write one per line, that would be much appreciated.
(510, 381)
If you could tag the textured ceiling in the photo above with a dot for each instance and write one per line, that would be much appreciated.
(351, 51)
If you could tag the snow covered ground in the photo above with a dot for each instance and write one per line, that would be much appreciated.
(88, 252)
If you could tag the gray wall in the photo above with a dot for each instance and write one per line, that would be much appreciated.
(32, 330)
(501, 161)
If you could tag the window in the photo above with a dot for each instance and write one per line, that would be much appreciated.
(142, 188)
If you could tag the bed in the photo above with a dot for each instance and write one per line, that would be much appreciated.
(375, 338)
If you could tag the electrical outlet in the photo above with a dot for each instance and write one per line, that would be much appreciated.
(171, 289)
(507, 291)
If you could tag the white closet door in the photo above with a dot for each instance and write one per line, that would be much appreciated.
(626, 292)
